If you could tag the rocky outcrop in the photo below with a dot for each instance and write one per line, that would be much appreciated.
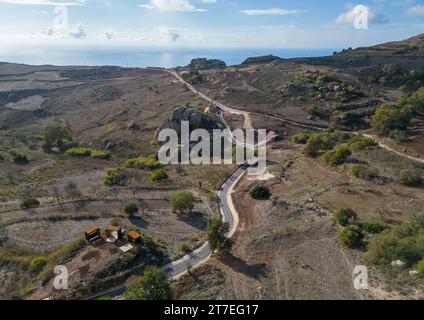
(205, 64)
(195, 118)
(261, 59)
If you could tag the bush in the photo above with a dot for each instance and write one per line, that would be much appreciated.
(318, 142)
(301, 138)
(420, 267)
(182, 202)
(159, 175)
(153, 285)
(114, 177)
(30, 203)
(100, 154)
(345, 217)
(79, 152)
(143, 163)
(19, 158)
(37, 265)
(410, 178)
(364, 172)
(130, 209)
(402, 242)
(361, 143)
(390, 118)
(337, 157)
(351, 236)
(260, 192)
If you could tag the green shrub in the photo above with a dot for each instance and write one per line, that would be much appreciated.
(351, 236)
(185, 247)
(144, 163)
(345, 217)
(159, 175)
(260, 192)
(37, 265)
(130, 208)
(361, 143)
(420, 267)
(337, 157)
(182, 202)
(115, 176)
(30, 203)
(19, 158)
(301, 138)
(371, 228)
(410, 178)
(390, 118)
(317, 143)
(364, 172)
(100, 154)
(402, 242)
(79, 152)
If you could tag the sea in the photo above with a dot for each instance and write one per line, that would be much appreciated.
(142, 57)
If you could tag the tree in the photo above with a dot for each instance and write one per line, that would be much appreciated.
(345, 217)
(216, 234)
(130, 209)
(260, 192)
(153, 285)
(351, 236)
(58, 137)
(391, 118)
(182, 202)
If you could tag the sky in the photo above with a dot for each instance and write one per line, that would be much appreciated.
(205, 23)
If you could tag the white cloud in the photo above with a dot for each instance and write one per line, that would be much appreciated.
(349, 16)
(45, 2)
(173, 5)
(417, 10)
(272, 11)
(79, 33)
(168, 34)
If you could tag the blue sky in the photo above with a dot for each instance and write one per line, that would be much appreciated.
(206, 23)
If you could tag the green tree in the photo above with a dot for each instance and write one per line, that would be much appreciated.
(351, 236)
(417, 100)
(260, 192)
(338, 156)
(182, 202)
(345, 217)
(153, 285)
(130, 208)
(390, 118)
(216, 234)
(58, 137)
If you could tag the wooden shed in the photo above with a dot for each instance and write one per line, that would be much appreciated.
(134, 237)
(110, 230)
(92, 234)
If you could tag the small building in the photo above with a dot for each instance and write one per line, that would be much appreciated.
(92, 234)
(134, 237)
(114, 231)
